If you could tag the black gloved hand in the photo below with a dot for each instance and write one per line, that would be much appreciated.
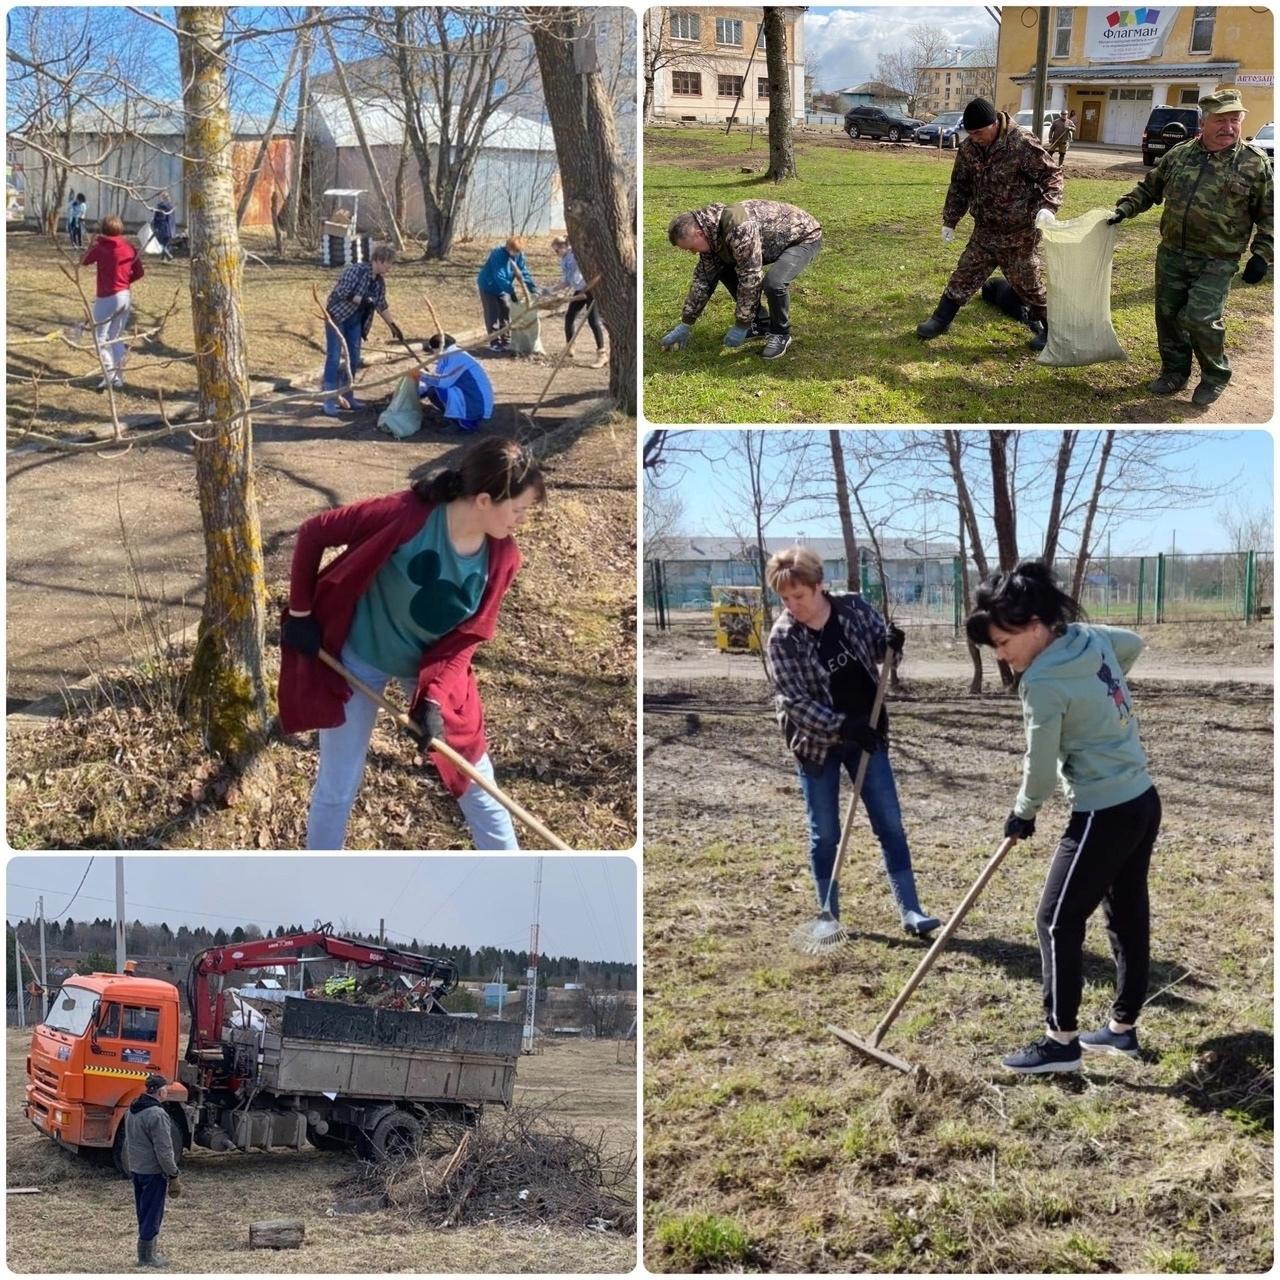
(426, 715)
(1118, 216)
(897, 638)
(396, 332)
(1255, 269)
(1023, 828)
(301, 633)
(813, 768)
(858, 729)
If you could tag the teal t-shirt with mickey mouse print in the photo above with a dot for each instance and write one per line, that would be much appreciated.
(422, 592)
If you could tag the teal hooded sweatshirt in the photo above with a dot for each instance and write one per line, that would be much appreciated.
(1080, 722)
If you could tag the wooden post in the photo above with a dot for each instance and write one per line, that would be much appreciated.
(277, 1233)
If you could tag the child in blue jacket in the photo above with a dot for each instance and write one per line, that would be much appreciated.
(497, 284)
(1081, 726)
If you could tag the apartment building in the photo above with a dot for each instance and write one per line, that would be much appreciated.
(952, 83)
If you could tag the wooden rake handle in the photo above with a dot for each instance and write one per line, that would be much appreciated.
(443, 748)
(882, 687)
(957, 916)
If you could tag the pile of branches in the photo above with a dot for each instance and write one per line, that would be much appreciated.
(525, 1166)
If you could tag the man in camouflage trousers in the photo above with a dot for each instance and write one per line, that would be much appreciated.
(1060, 138)
(1006, 179)
(735, 244)
(1216, 190)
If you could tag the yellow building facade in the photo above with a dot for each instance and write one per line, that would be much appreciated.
(1111, 66)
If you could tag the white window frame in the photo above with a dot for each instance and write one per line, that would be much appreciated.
(762, 88)
(1204, 13)
(687, 21)
(1188, 98)
(1062, 28)
(733, 26)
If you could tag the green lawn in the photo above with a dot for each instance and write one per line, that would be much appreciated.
(855, 357)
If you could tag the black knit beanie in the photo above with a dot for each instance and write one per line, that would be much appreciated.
(978, 114)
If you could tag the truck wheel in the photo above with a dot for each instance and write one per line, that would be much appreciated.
(395, 1136)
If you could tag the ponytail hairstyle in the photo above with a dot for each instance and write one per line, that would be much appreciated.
(1013, 600)
(501, 467)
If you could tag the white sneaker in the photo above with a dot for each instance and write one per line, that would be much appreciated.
(102, 384)
(118, 383)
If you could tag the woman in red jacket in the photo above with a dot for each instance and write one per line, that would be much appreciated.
(416, 590)
(118, 266)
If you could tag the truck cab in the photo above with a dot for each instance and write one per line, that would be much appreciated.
(104, 1034)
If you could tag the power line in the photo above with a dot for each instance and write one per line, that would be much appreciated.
(75, 895)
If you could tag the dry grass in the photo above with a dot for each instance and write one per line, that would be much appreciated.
(207, 1230)
(769, 1146)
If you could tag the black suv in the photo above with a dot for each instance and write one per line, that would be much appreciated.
(1166, 127)
(876, 122)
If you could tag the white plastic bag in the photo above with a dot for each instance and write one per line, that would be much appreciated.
(526, 330)
(1077, 261)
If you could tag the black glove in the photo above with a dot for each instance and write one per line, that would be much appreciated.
(1255, 269)
(897, 638)
(813, 768)
(858, 729)
(396, 332)
(426, 715)
(1023, 828)
(301, 633)
(1118, 216)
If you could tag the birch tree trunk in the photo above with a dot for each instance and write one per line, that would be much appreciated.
(596, 205)
(228, 691)
(846, 515)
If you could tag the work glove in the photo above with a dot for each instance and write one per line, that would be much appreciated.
(1022, 828)
(428, 718)
(396, 331)
(736, 336)
(1045, 218)
(858, 729)
(948, 234)
(302, 634)
(1254, 269)
(813, 768)
(175, 1185)
(1118, 216)
(897, 638)
(678, 338)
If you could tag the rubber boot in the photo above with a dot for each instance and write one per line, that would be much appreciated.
(914, 919)
(938, 323)
(1041, 340)
(147, 1255)
(834, 905)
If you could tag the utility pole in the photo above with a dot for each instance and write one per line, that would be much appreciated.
(531, 974)
(120, 954)
(44, 972)
(17, 968)
(1041, 91)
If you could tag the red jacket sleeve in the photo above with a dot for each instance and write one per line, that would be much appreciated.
(136, 269)
(336, 528)
(92, 254)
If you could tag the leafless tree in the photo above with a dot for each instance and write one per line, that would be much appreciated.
(660, 53)
(782, 161)
(664, 514)
(906, 66)
(844, 511)
(602, 1010)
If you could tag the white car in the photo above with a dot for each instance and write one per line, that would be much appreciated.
(1265, 139)
(1023, 121)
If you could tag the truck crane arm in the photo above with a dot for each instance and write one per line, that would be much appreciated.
(439, 976)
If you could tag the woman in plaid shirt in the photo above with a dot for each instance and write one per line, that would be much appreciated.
(359, 292)
(823, 652)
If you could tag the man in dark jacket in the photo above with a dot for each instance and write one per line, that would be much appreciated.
(153, 1166)
(1009, 183)
(735, 244)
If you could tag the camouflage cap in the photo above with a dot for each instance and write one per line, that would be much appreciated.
(1220, 100)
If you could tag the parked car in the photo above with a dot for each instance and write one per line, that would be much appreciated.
(1023, 121)
(948, 126)
(1265, 139)
(877, 122)
(1166, 127)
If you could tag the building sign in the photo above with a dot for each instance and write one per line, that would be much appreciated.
(1256, 81)
(1127, 35)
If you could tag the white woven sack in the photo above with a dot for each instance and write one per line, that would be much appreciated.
(1077, 259)
(526, 330)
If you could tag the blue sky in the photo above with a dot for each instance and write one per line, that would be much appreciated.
(1240, 462)
(842, 44)
(588, 904)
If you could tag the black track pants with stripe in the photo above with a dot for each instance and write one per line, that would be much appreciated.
(1101, 860)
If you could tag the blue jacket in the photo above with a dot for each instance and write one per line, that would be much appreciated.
(498, 275)
(460, 389)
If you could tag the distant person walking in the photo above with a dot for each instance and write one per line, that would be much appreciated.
(573, 277)
(118, 266)
(163, 221)
(153, 1166)
(1061, 132)
(75, 220)
(496, 281)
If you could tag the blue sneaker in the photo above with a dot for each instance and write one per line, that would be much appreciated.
(1044, 1056)
(1105, 1040)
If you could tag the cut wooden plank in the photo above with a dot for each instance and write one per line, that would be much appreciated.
(277, 1233)
(22, 1191)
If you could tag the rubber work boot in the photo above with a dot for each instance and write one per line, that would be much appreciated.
(147, 1255)
(1207, 392)
(1167, 384)
(914, 920)
(1041, 340)
(938, 323)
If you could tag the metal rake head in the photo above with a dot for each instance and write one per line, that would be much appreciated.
(823, 934)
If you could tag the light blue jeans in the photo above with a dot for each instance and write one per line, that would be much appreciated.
(342, 756)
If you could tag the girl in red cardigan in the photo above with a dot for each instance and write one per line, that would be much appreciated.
(118, 266)
(416, 590)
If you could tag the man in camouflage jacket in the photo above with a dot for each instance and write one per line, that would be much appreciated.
(1217, 191)
(1009, 183)
(735, 244)
(1059, 142)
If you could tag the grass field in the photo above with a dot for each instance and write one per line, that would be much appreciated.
(856, 357)
(771, 1146)
(83, 1219)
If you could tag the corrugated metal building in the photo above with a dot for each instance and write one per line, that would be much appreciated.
(515, 186)
(138, 154)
